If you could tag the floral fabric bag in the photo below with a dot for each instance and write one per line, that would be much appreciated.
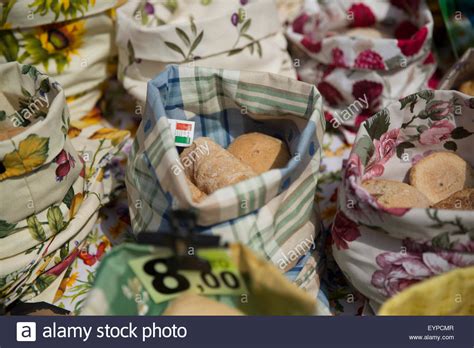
(384, 250)
(362, 55)
(278, 214)
(240, 35)
(288, 9)
(70, 41)
(59, 182)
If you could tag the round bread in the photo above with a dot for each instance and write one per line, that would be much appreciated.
(197, 194)
(366, 33)
(260, 151)
(461, 200)
(394, 194)
(190, 304)
(210, 167)
(467, 87)
(440, 174)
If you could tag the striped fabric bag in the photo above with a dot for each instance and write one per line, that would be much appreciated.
(273, 213)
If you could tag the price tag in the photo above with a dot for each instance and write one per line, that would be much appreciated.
(163, 282)
(182, 131)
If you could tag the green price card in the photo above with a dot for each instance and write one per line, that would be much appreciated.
(164, 282)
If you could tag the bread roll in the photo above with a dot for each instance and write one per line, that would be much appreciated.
(394, 194)
(260, 151)
(194, 305)
(197, 194)
(441, 174)
(461, 200)
(210, 167)
(467, 87)
(371, 33)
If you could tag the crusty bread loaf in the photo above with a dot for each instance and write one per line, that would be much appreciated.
(394, 194)
(260, 151)
(197, 194)
(189, 304)
(371, 33)
(210, 167)
(461, 200)
(441, 174)
(467, 87)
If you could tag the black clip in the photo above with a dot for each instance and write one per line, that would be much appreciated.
(181, 239)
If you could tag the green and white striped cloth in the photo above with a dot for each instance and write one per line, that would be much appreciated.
(274, 213)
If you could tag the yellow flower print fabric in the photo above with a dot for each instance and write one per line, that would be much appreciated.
(55, 42)
(71, 41)
(31, 153)
(30, 13)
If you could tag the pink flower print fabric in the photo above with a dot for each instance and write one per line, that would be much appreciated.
(386, 250)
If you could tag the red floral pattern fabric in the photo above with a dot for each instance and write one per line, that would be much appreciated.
(361, 15)
(348, 68)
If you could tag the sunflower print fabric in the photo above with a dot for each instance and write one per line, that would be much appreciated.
(71, 41)
(28, 13)
(55, 42)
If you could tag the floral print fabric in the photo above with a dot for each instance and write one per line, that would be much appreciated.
(57, 172)
(356, 73)
(30, 13)
(383, 251)
(153, 34)
(70, 41)
(111, 228)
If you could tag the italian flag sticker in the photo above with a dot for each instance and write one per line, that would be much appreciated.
(182, 131)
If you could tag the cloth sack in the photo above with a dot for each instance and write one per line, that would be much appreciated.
(240, 35)
(273, 213)
(384, 250)
(58, 181)
(356, 74)
(288, 9)
(447, 294)
(69, 41)
(117, 288)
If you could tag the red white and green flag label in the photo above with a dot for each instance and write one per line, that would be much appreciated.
(182, 132)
